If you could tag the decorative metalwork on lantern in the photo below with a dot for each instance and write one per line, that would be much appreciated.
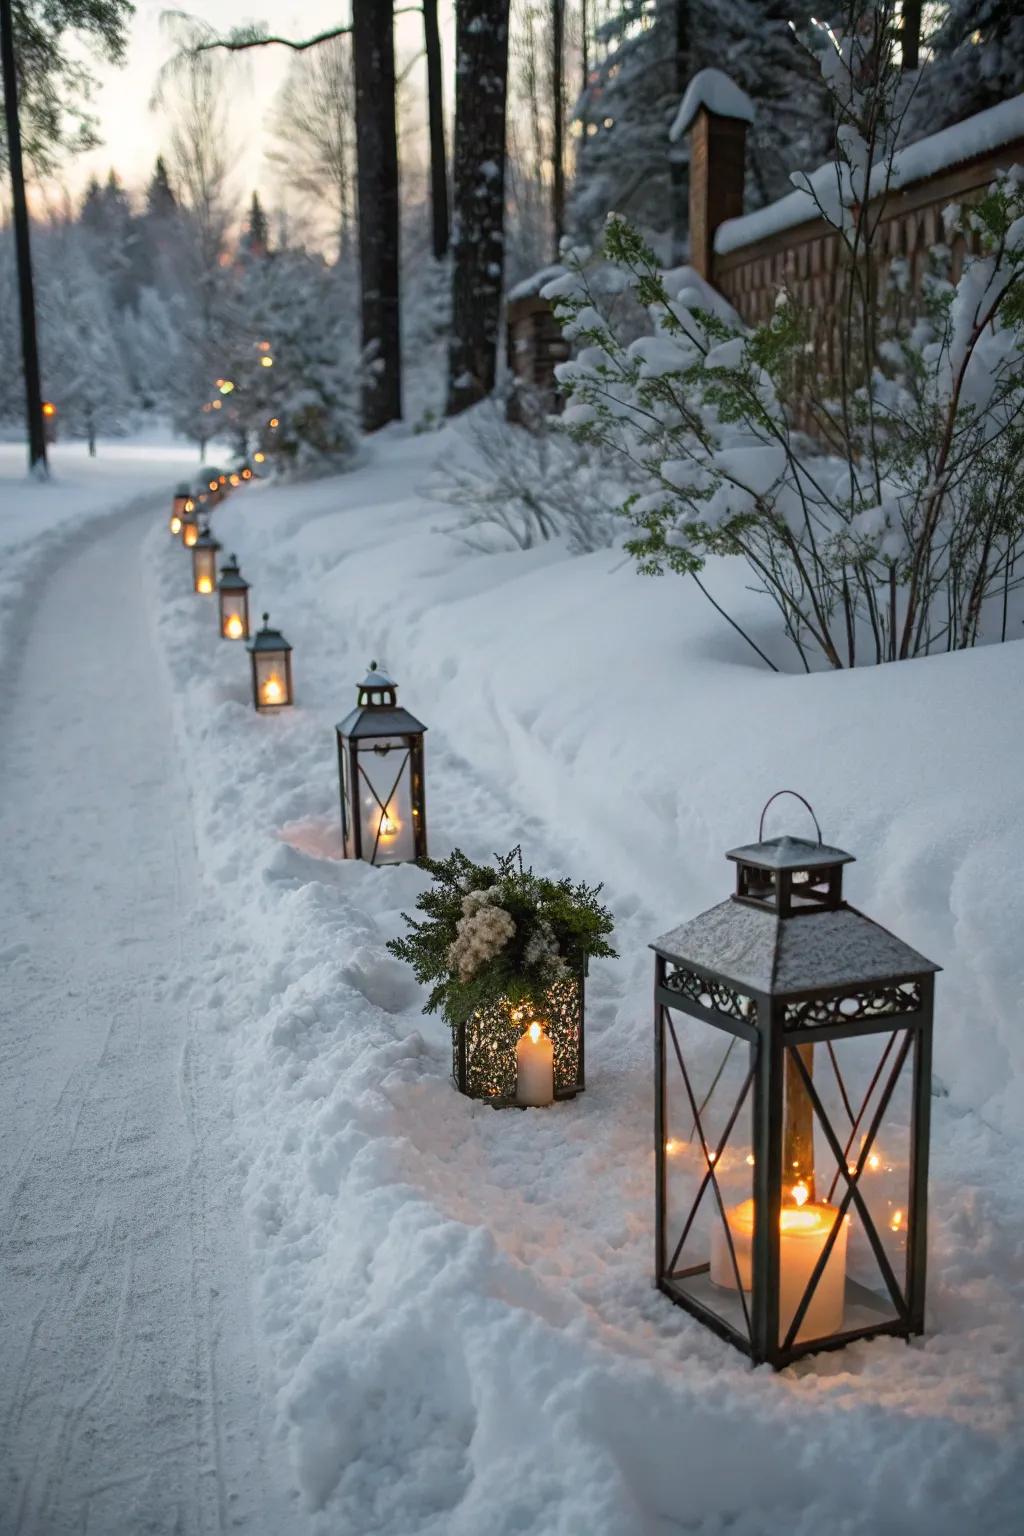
(792, 1110)
(204, 562)
(233, 598)
(271, 668)
(380, 768)
(487, 1050)
(181, 504)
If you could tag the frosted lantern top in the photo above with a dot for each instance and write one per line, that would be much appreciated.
(377, 712)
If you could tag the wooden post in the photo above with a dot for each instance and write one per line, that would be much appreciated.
(717, 169)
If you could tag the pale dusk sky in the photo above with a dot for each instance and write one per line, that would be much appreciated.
(134, 134)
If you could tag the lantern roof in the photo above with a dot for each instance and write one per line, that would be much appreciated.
(206, 540)
(183, 490)
(231, 578)
(378, 712)
(763, 952)
(267, 639)
(789, 853)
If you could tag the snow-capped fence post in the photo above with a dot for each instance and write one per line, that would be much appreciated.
(791, 1130)
(716, 113)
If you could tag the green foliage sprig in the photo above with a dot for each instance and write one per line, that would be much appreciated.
(557, 927)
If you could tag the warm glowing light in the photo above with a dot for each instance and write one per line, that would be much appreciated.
(259, 457)
(388, 827)
(264, 346)
(712, 1156)
(274, 421)
(213, 485)
(671, 1146)
(750, 1159)
(225, 386)
(175, 524)
(49, 409)
(897, 1221)
(223, 480)
(273, 693)
(800, 1194)
(233, 628)
(235, 479)
(874, 1161)
(204, 584)
(216, 404)
(246, 474)
(190, 533)
(534, 1032)
(190, 505)
(266, 362)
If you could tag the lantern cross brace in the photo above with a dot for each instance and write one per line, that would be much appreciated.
(383, 804)
(855, 1120)
(852, 1194)
(710, 1176)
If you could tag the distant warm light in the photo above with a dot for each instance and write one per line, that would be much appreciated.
(259, 458)
(49, 409)
(233, 627)
(175, 524)
(223, 480)
(274, 422)
(264, 346)
(273, 693)
(235, 480)
(801, 1194)
(213, 485)
(216, 405)
(225, 386)
(750, 1159)
(897, 1221)
(874, 1161)
(189, 534)
(190, 505)
(246, 474)
(204, 584)
(534, 1032)
(266, 362)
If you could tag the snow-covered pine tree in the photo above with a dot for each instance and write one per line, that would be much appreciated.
(256, 239)
(975, 59)
(645, 51)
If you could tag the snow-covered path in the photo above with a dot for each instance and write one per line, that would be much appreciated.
(128, 1393)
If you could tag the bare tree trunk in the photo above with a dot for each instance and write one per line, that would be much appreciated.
(678, 178)
(910, 34)
(584, 47)
(435, 110)
(557, 123)
(373, 58)
(481, 45)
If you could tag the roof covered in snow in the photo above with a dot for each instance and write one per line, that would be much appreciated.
(978, 135)
(789, 853)
(757, 949)
(713, 89)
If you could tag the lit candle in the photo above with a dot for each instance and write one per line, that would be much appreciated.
(175, 524)
(204, 584)
(272, 691)
(190, 534)
(233, 626)
(804, 1231)
(535, 1068)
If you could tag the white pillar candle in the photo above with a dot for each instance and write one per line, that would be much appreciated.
(804, 1231)
(535, 1068)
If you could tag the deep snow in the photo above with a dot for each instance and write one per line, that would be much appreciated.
(460, 1328)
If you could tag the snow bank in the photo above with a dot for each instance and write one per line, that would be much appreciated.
(460, 1328)
(714, 90)
(978, 135)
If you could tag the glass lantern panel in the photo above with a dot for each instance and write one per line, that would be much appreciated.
(708, 1165)
(204, 566)
(865, 1108)
(233, 624)
(385, 807)
(346, 799)
(271, 678)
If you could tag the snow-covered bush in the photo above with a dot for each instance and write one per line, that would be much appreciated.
(518, 488)
(880, 504)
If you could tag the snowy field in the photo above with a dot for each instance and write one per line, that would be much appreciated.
(457, 1326)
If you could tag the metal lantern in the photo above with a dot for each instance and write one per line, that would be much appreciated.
(190, 521)
(484, 1048)
(181, 504)
(271, 668)
(380, 768)
(204, 562)
(792, 1110)
(233, 595)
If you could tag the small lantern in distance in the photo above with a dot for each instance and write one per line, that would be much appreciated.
(204, 562)
(271, 668)
(190, 522)
(791, 1111)
(181, 503)
(233, 593)
(380, 766)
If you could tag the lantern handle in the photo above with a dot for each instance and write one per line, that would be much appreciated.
(797, 796)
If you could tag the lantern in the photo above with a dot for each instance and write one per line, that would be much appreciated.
(204, 562)
(190, 521)
(380, 766)
(246, 472)
(271, 668)
(488, 1049)
(181, 503)
(233, 594)
(791, 1111)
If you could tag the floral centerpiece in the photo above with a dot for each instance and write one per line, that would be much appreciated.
(504, 949)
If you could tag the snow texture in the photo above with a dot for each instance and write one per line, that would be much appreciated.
(456, 1305)
(978, 135)
(717, 93)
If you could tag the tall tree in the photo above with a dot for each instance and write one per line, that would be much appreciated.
(481, 85)
(22, 239)
(435, 112)
(256, 239)
(975, 58)
(373, 58)
(557, 122)
(160, 199)
(314, 125)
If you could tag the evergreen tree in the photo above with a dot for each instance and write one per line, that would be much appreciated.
(255, 241)
(161, 202)
(976, 59)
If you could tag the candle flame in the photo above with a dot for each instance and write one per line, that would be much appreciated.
(258, 458)
(233, 627)
(874, 1160)
(897, 1221)
(204, 584)
(190, 534)
(175, 524)
(534, 1032)
(272, 691)
(800, 1194)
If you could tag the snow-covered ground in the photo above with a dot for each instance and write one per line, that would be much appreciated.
(456, 1317)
